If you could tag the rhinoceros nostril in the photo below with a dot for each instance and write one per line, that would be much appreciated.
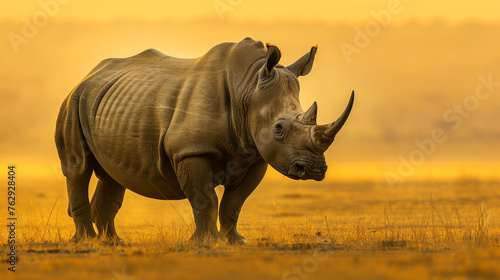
(298, 170)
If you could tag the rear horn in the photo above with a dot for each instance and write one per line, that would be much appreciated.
(309, 116)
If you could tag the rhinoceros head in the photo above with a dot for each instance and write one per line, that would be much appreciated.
(288, 138)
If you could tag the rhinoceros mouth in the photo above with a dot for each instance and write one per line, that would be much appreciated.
(300, 170)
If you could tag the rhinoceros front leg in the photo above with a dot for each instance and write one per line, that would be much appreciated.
(195, 177)
(233, 199)
(107, 200)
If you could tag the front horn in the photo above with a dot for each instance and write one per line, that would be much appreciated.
(337, 125)
(323, 135)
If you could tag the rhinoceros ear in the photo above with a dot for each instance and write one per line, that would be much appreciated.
(272, 58)
(304, 65)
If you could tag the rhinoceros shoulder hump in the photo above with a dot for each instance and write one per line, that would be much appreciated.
(151, 53)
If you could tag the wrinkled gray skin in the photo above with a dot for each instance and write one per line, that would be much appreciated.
(171, 128)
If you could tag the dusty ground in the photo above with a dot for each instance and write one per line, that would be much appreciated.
(295, 230)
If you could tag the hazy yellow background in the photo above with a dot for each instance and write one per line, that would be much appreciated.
(260, 10)
(426, 60)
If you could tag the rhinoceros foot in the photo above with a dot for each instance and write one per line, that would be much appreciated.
(202, 239)
(114, 241)
(79, 237)
(233, 237)
(236, 240)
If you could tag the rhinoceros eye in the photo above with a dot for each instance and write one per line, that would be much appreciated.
(278, 128)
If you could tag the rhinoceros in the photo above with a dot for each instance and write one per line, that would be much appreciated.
(172, 128)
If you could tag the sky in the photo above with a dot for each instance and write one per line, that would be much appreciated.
(422, 60)
(452, 11)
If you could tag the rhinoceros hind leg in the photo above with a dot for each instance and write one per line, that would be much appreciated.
(80, 208)
(106, 202)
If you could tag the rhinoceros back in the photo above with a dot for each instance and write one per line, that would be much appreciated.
(126, 107)
(142, 115)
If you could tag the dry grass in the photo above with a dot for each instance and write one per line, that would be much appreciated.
(414, 232)
(440, 230)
